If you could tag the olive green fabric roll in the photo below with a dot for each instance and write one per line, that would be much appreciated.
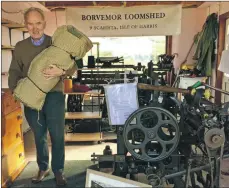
(67, 42)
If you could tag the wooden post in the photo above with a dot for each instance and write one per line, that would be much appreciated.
(221, 44)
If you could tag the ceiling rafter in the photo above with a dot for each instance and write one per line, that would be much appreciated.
(124, 3)
(185, 4)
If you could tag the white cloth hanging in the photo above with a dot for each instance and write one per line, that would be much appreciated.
(224, 62)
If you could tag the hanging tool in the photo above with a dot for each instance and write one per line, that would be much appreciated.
(201, 83)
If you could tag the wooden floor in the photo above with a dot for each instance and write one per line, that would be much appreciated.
(73, 150)
(84, 150)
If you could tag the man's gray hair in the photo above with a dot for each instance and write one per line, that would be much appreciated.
(31, 9)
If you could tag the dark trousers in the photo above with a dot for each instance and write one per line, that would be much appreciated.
(51, 118)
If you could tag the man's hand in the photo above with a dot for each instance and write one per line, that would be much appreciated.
(53, 71)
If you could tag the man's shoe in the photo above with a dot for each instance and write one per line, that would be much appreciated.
(60, 179)
(40, 176)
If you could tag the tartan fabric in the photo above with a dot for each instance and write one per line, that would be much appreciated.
(67, 41)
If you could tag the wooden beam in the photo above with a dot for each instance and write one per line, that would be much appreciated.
(191, 4)
(51, 4)
(168, 2)
(140, 3)
(221, 44)
(124, 3)
(110, 3)
(162, 88)
(42, 3)
(169, 45)
(199, 3)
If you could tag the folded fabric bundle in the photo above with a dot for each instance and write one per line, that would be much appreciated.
(67, 44)
(81, 88)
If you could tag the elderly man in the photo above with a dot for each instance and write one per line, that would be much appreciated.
(52, 114)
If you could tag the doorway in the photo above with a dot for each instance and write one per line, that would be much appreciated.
(225, 82)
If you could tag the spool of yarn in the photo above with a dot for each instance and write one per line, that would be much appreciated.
(78, 79)
(67, 85)
(79, 63)
(150, 69)
(139, 67)
(91, 62)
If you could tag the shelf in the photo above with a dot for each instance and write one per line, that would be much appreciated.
(5, 73)
(22, 29)
(83, 115)
(71, 137)
(5, 21)
(13, 25)
(89, 69)
(84, 93)
(5, 47)
(111, 67)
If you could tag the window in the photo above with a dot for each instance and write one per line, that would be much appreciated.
(225, 84)
(227, 41)
(132, 49)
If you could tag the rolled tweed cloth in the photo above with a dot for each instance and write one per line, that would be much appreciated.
(67, 42)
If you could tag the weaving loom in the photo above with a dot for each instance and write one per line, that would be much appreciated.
(67, 44)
